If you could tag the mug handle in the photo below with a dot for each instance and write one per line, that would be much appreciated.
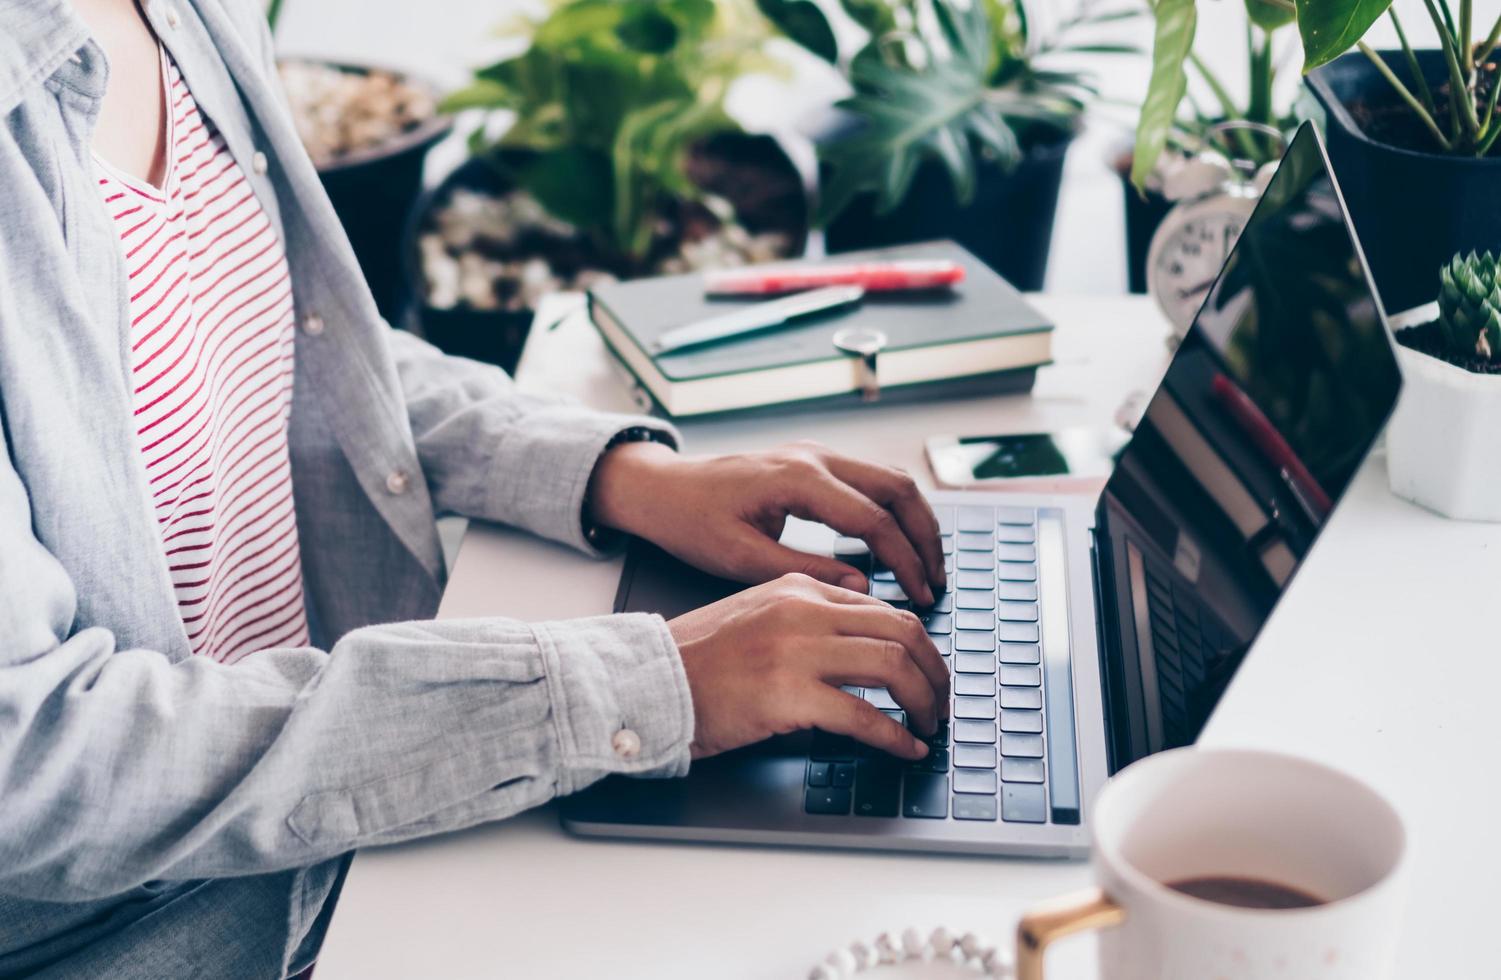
(1088, 909)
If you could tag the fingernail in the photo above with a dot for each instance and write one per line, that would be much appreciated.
(921, 747)
(929, 600)
(855, 583)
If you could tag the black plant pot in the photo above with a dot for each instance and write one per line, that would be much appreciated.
(1144, 213)
(373, 191)
(752, 171)
(1008, 225)
(1412, 209)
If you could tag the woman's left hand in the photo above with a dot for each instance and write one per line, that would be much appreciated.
(725, 514)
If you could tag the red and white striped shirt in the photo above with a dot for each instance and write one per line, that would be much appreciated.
(211, 335)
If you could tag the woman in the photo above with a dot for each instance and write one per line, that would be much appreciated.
(218, 561)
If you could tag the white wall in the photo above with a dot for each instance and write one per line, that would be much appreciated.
(444, 38)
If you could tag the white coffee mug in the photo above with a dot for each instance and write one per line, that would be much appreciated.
(1196, 813)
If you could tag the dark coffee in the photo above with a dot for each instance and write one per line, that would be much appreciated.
(1246, 893)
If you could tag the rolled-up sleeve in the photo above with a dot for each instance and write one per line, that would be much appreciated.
(491, 451)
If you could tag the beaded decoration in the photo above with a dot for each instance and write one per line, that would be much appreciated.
(942, 945)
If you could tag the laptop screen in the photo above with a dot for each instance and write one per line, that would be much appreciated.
(1267, 410)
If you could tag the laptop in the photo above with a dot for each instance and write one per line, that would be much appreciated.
(1084, 635)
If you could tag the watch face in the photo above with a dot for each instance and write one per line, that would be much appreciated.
(1187, 253)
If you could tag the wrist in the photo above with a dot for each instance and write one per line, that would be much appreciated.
(621, 487)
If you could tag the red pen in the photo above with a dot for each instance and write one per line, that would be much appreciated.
(875, 277)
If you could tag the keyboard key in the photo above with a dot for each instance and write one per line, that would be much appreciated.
(854, 689)
(887, 591)
(974, 685)
(1016, 571)
(1016, 552)
(983, 708)
(974, 540)
(1018, 591)
(831, 799)
(974, 561)
(1016, 515)
(975, 619)
(880, 697)
(974, 781)
(1021, 697)
(1019, 653)
(975, 756)
(974, 663)
(830, 747)
(937, 760)
(974, 599)
(974, 732)
(974, 641)
(844, 774)
(975, 519)
(945, 515)
(1021, 770)
(1019, 534)
(900, 717)
(947, 543)
(943, 644)
(819, 773)
(1022, 803)
(883, 575)
(940, 737)
(925, 794)
(846, 549)
(974, 808)
(1018, 720)
(1014, 676)
(937, 623)
(1017, 632)
(1016, 612)
(971, 579)
(1021, 746)
(878, 787)
(943, 602)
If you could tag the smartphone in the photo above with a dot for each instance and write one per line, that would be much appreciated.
(1076, 460)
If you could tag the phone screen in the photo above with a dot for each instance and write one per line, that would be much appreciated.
(1071, 452)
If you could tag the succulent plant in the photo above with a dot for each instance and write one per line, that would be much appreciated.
(1469, 303)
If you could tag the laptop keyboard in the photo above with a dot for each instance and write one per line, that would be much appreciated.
(1189, 647)
(988, 762)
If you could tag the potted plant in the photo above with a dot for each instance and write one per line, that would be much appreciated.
(618, 160)
(957, 126)
(1412, 136)
(368, 130)
(1443, 447)
(1175, 124)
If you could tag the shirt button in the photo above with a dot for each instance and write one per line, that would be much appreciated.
(312, 324)
(627, 744)
(397, 482)
(259, 164)
(172, 18)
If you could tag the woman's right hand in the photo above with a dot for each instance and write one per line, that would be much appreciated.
(769, 661)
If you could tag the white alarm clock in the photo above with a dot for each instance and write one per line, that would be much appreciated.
(1215, 196)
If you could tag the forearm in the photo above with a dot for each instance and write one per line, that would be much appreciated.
(118, 767)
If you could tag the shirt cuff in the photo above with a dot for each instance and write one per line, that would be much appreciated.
(620, 698)
(563, 445)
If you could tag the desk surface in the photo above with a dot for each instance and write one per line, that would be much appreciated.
(1383, 660)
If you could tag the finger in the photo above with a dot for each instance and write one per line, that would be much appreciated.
(826, 499)
(759, 558)
(870, 662)
(900, 626)
(896, 491)
(844, 714)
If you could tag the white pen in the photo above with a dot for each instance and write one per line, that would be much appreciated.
(756, 319)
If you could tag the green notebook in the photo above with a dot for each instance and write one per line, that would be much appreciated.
(981, 336)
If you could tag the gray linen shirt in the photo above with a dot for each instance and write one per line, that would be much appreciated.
(129, 767)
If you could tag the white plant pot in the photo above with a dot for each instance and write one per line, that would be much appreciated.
(1444, 440)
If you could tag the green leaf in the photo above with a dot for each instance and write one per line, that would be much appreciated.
(648, 31)
(1171, 44)
(482, 93)
(1268, 15)
(876, 16)
(572, 183)
(804, 23)
(1331, 27)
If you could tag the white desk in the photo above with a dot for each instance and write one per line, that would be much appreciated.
(1383, 660)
